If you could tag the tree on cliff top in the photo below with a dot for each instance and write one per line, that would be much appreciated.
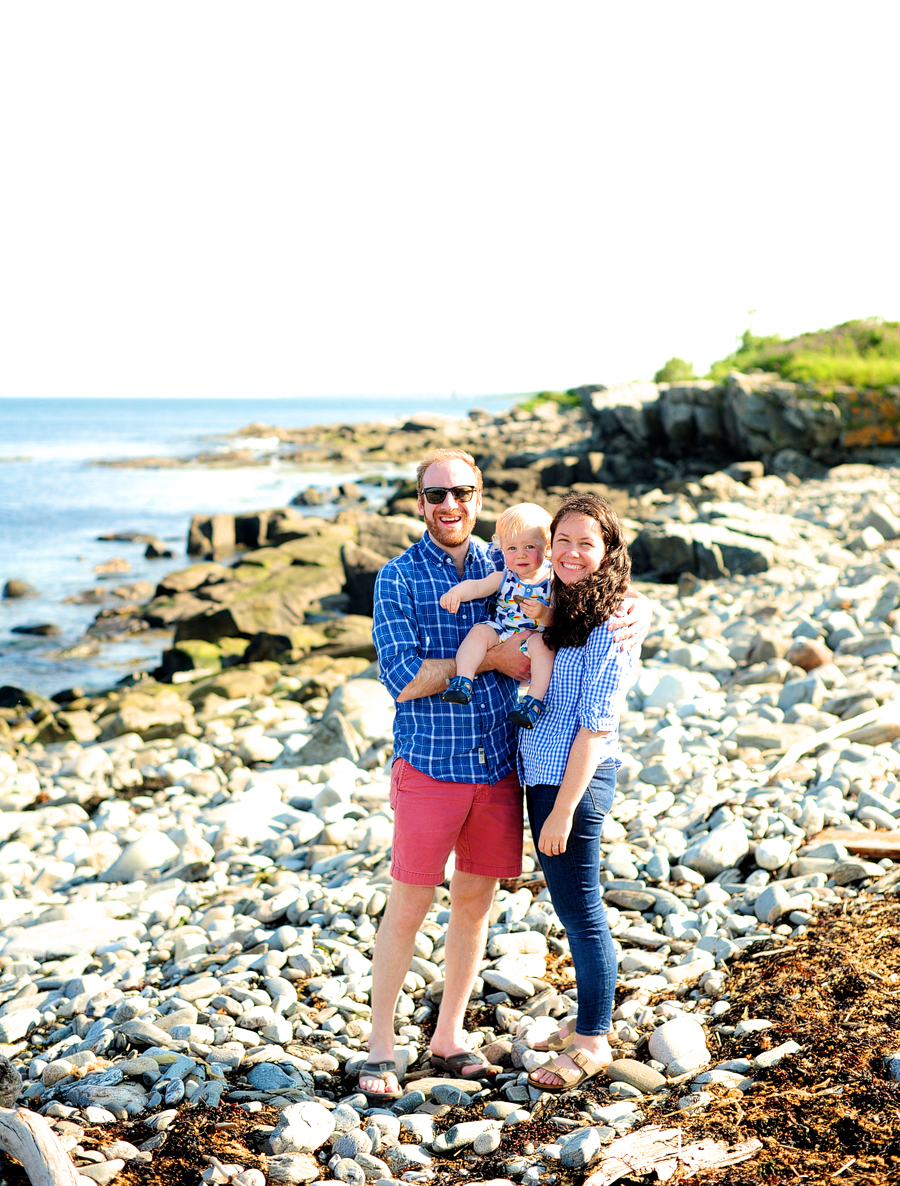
(674, 370)
(864, 353)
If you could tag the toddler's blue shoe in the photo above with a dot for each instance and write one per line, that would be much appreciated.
(526, 713)
(459, 690)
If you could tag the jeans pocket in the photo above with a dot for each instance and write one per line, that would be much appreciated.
(601, 787)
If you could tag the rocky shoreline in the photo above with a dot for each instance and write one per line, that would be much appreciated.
(193, 867)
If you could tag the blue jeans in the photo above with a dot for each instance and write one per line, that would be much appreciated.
(573, 879)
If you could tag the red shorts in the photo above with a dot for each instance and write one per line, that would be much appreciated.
(481, 823)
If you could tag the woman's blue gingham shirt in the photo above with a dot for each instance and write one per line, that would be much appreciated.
(469, 743)
(587, 690)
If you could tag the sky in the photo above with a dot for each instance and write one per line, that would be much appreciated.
(298, 199)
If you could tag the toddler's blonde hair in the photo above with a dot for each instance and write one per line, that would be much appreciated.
(521, 518)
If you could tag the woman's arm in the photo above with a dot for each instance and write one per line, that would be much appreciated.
(584, 757)
(471, 591)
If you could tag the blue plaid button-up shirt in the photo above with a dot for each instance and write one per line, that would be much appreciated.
(450, 742)
(587, 690)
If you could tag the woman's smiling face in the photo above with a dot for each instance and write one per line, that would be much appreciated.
(577, 549)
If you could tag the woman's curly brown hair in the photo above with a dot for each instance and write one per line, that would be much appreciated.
(578, 608)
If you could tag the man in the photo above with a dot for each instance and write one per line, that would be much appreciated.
(453, 784)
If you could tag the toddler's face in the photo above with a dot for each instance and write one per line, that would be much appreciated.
(524, 554)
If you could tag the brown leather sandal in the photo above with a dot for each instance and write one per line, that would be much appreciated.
(556, 1042)
(572, 1077)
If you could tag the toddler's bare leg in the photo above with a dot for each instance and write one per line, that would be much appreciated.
(541, 667)
(473, 649)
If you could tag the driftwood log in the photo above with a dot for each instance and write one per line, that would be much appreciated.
(841, 729)
(657, 1149)
(28, 1138)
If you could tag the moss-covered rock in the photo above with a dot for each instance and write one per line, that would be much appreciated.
(191, 654)
(274, 605)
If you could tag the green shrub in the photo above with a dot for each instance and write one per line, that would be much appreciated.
(675, 370)
(566, 399)
(863, 353)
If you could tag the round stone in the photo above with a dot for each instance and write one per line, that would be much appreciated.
(682, 1038)
(808, 653)
(629, 1070)
(773, 853)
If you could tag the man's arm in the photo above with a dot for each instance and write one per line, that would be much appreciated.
(395, 631)
(434, 674)
(471, 591)
(631, 624)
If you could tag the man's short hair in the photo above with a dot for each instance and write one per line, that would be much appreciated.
(441, 457)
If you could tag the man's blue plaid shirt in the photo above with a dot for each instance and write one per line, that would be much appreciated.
(450, 742)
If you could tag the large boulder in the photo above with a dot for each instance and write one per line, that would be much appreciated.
(186, 579)
(389, 535)
(164, 612)
(275, 604)
(361, 567)
(195, 654)
(211, 536)
(333, 738)
(349, 635)
(283, 648)
(367, 705)
(231, 684)
(707, 550)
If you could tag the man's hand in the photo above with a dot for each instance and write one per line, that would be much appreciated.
(509, 659)
(632, 622)
(451, 600)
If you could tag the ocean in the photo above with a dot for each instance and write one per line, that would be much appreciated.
(54, 503)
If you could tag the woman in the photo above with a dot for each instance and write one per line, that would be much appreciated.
(568, 762)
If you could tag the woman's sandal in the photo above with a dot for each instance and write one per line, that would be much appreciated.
(555, 1042)
(572, 1077)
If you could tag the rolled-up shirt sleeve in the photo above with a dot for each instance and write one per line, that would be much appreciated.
(607, 677)
(395, 631)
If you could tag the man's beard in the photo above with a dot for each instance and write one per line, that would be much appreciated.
(451, 535)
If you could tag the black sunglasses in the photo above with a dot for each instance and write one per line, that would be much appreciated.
(436, 494)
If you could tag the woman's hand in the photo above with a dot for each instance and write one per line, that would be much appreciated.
(537, 610)
(451, 600)
(555, 833)
(632, 623)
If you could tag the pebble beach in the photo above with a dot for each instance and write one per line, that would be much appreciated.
(190, 892)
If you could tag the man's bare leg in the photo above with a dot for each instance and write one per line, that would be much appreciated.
(471, 897)
(395, 943)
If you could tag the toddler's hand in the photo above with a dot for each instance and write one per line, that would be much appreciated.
(450, 601)
(536, 610)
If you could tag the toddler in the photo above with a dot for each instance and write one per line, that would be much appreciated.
(523, 603)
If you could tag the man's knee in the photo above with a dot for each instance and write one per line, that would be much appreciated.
(408, 904)
(471, 894)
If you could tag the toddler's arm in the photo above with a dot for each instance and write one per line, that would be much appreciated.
(471, 591)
